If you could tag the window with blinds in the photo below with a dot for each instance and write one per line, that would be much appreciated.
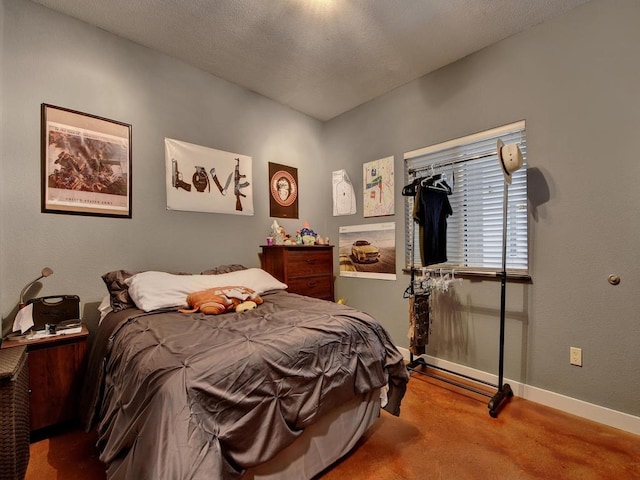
(475, 229)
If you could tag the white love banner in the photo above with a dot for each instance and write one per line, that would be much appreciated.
(202, 179)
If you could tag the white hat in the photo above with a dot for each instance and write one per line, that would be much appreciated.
(510, 159)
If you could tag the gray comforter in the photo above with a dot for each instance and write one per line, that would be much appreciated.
(195, 396)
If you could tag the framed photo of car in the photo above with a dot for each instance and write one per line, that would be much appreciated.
(368, 251)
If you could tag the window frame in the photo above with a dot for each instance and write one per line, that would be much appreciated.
(457, 154)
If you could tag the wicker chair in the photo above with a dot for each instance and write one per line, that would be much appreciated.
(14, 413)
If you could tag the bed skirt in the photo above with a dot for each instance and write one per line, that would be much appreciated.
(322, 443)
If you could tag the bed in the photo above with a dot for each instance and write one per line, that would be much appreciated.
(280, 391)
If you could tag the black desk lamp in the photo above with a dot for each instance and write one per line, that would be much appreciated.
(46, 271)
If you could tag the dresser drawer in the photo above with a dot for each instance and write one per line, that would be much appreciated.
(306, 269)
(318, 286)
(303, 263)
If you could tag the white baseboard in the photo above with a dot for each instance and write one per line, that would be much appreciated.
(590, 411)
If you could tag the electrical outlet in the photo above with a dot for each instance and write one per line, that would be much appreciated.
(575, 356)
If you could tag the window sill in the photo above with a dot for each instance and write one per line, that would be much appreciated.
(518, 277)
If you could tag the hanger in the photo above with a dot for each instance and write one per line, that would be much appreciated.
(453, 280)
(411, 189)
(433, 181)
(438, 183)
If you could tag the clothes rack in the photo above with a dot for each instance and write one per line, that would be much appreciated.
(415, 363)
(413, 171)
(419, 364)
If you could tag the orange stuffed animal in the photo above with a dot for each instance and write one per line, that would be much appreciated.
(215, 301)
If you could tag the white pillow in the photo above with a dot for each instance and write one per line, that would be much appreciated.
(154, 290)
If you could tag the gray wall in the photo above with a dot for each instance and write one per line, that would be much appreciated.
(574, 80)
(54, 59)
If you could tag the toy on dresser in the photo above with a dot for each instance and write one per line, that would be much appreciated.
(304, 236)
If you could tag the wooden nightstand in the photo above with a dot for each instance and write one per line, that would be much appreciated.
(306, 269)
(56, 370)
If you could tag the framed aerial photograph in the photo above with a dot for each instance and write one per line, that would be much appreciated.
(283, 191)
(86, 164)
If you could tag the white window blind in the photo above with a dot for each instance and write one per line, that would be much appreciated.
(474, 230)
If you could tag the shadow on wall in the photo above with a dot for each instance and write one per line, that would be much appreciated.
(449, 327)
(7, 322)
(537, 190)
(91, 317)
(452, 336)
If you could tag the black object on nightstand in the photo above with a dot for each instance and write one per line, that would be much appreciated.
(54, 309)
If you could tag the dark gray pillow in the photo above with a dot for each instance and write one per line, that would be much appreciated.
(224, 269)
(118, 290)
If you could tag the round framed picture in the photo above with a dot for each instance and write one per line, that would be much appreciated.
(283, 186)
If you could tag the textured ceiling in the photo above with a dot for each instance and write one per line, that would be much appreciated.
(320, 57)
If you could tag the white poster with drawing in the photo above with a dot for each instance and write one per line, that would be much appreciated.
(202, 179)
(378, 189)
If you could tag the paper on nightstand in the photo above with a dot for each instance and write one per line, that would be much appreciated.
(67, 331)
(24, 319)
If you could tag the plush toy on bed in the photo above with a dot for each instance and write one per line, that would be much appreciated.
(215, 301)
(246, 306)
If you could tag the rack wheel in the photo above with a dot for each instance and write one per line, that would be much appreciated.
(497, 402)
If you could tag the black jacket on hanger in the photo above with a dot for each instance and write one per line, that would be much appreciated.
(432, 210)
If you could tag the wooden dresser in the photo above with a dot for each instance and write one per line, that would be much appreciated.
(306, 269)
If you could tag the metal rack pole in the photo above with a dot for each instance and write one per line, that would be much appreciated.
(504, 390)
